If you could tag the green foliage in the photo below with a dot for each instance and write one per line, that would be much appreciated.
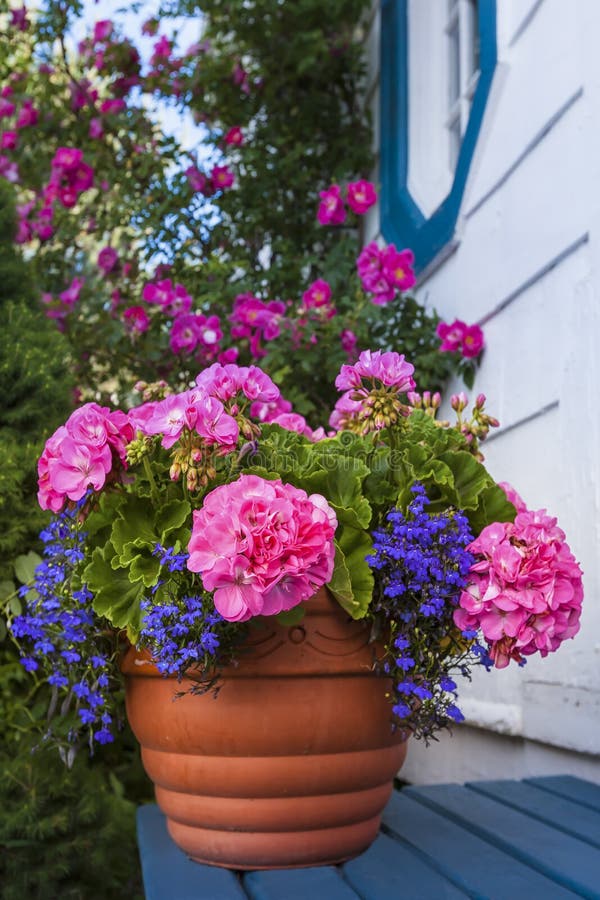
(68, 833)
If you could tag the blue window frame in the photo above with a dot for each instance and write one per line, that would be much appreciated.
(402, 220)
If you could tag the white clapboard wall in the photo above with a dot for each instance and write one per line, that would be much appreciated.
(528, 264)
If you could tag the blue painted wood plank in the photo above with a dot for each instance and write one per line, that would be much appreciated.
(566, 815)
(390, 870)
(473, 864)
(563, 858)
(169, 874)
(298, 884)
(571, 788)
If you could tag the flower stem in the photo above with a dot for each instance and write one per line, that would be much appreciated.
(150, 477)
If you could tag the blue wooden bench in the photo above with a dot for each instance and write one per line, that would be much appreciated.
(537, 839)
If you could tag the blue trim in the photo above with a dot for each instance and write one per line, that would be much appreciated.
(402, 222)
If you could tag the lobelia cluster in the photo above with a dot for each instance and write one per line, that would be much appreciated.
(422, 563)
(61, 635)
(262, 546)
(525, 590)
(183, 630)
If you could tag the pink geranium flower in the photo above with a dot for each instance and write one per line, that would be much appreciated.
(261, 546)
(526, 589)
(83, 453)
(390, 368)
(361, 196)
(331, 208)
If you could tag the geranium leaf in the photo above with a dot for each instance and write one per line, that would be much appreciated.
(114, 594)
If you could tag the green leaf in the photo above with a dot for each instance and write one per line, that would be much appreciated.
(114, 595)
(291, 617)
(146, 569)
(15, 606)
(25, 566)
(352, 580)
(171, 516)
(6, 589)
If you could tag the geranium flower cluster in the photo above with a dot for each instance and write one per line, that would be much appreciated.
(422, 563)
(204, 419)
(88, 450)
(61, 635)
(384, 272)
(256, 320)
(261, 546)
(372, 392)
(525, 588)
(360, 196)
(458, 337)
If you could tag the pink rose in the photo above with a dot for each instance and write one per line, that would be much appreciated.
(361, 196)
(331, 208)
(136, 319)
(234, 137)
(451, 335)
(108, 259)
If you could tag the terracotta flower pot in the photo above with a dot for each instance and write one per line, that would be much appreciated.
(292, 763)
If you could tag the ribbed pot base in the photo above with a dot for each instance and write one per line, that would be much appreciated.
(269, 850)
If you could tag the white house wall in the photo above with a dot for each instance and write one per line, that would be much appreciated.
(527, 266)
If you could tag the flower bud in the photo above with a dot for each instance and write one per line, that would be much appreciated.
(175, 472)
(480, 401)
(436, 400)
(459, 402)
(426, 398)
(414, 399)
